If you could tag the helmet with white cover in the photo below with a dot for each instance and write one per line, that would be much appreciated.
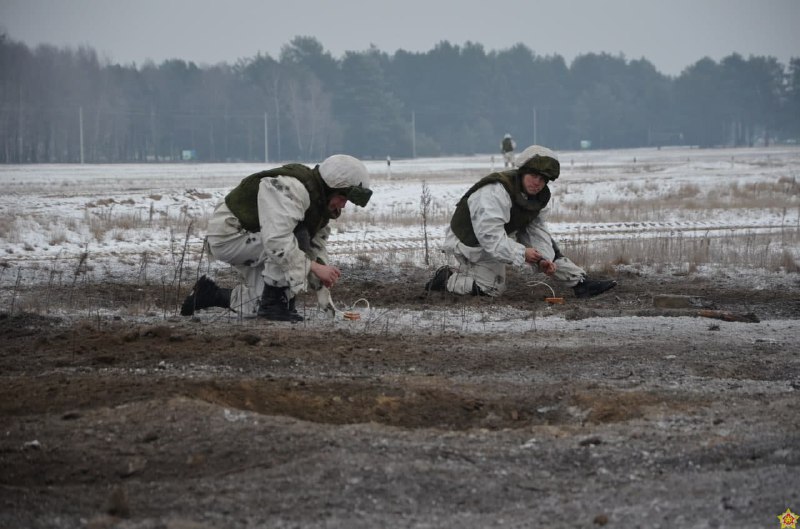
(539, 160)
(347, 175)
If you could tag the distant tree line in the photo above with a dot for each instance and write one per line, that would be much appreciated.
(65, 105)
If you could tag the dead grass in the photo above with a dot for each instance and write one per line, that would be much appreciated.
(107, 220)
(751, 250)
(685, 248)
(638, 203)
(788, 262)
(399, 216)
(104, 221)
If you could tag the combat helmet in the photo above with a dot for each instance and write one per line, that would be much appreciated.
(539, 160)
(347, 175)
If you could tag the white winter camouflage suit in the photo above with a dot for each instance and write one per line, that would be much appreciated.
(271, 255)
(485, 265)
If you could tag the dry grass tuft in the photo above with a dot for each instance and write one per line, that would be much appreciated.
(787, 263)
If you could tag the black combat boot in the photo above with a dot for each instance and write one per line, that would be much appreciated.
(589, 288)
(293, 310)
(276, 306)
(205, 294)
(439, 279)
(476, 290)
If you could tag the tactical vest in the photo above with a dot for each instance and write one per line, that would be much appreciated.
(508, 145)
(523, 208)
(243, 199)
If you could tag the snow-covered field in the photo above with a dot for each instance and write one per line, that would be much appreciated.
(431, 409)
(125, 222)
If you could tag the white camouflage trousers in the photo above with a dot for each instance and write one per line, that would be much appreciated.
(477, 267)
(229, 242)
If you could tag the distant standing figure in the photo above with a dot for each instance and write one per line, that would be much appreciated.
(507, 147)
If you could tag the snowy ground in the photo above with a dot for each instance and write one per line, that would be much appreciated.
(62, 224)
(431, 410)
(124, 215)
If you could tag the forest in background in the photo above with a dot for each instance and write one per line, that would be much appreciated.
(65, 105)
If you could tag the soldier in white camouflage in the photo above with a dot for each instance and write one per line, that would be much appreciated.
(499, 222)
(273, 229)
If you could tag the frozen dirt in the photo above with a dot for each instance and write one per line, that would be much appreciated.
(429, 412)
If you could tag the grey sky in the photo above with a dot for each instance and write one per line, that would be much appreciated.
(671, 34)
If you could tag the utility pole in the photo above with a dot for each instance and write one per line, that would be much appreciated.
(80, 126)
(266, 140)
(413, 135)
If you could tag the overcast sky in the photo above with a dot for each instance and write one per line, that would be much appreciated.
(672, 34)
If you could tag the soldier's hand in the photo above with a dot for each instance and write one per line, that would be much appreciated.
(547, 267)
(532, 255)
(327, 274)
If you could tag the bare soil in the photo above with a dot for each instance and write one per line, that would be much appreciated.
(623, 415)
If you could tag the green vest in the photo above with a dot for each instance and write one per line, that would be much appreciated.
(523, 208)
(242, 200)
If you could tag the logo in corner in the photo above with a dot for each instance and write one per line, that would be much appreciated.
(788, 520)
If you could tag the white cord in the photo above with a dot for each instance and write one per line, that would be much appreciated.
(352, 307)
(366, 303)
(341, 312)
(534, 283)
